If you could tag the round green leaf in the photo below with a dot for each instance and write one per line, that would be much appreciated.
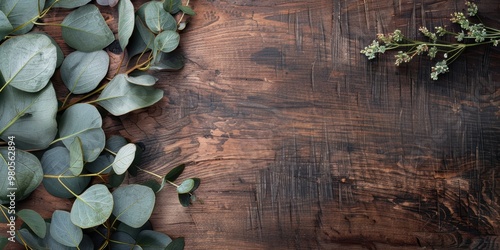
(83, 120)
(34, 221)
(64, 231)
(93, 207)
(124, 158)
(172, 6)
(142, 79)
(115, 142)
(28, 174)
(101, 165)
(167, 41)
(81, 72)
(21, 13)
(31, 240)
(86, 30)
(133, 204)
(152, 240)
(126, 18)
(76, 156)
(120, 97)
(28, 61)
(121, 241)
(157, 19)
(70, 4)
(30, 117)
(5, 26)
(186, 186)
(56, 162)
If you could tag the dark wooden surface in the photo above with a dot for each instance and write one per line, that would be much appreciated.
(302, 143)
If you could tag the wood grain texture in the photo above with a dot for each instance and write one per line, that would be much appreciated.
(302, 143)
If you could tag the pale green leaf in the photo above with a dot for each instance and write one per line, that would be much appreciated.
(21, 13)
(34, 221)
(126, 18)
(76, 156)
(64, 231)
(93, 207)
(124, 158)
(86, 30)
(141, 78)
(187, 10)
(28, 61)
(147, 35)
(133, 204)
(70, 4)
(81, 72)
(83, 120)
(167, 41)
(186, 186)
(153, 240)
(157, 19)
(120, 97)
(5, 26)
(28, 174)
(30, 117)
(55, 163)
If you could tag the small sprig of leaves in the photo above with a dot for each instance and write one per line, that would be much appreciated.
(472, 33)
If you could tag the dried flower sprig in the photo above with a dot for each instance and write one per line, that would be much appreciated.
(470, 34)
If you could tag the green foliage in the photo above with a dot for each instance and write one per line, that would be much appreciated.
(472, 33)
(59, 140)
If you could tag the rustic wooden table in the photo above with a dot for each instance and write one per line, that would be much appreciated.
(302, 143)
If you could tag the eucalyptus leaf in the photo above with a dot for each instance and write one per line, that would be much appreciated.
(153, 240)
(115, 142)
(136, 44)
(5, 26)
(29, 117)
(86, 30)
(70, 4)
(172, 6)
(3, 242)
(60, 54)
(133, 204)
(184, 199)
(101, 165)
(186, 186)
(55, 162)
(76, 156)
(28, 61)
(4, 214)
(64, 231)
(31, 240)
(154, 185)
(134, 232)
(157, 19)
(120, 97)
(147, 35)
(81, 72)
(167, 41)
(28, 174)
(83, 120)
(111, 3)
(126, 18)
(168, 61)
(141, 78)
(93, 207)
(187, 10)
(21, 13)
(34, 221)
(176, 244)
(124, 158)
(115, 180)
(121, 241)
(173, 174)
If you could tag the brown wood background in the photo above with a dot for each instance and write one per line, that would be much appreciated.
(302, 143)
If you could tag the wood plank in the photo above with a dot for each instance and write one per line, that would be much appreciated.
(301, 143)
